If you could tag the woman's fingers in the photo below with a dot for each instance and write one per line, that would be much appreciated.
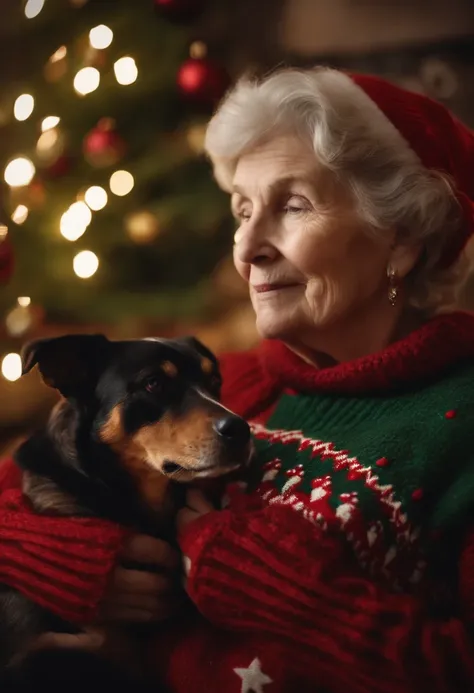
(134, 613)
(91, 640)
(140, 582)
(196, 506)
(198, 502)
(150, 551)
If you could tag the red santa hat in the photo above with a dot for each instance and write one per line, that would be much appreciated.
(436, 136)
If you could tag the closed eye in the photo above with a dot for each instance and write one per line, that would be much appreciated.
(296, 204)
(293, 210)
(242, 215)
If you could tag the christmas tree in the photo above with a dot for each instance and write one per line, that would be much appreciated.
(112, 214)
(103, 109)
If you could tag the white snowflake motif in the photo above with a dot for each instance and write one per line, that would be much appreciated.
(320, 511)
(346, 510)
(295, 477)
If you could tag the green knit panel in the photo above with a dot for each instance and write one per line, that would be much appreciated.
(395, 466)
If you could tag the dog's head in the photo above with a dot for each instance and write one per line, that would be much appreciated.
(154, 402)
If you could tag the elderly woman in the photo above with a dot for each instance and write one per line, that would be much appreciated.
(348, 563)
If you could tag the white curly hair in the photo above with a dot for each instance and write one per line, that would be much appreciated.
(359, 145)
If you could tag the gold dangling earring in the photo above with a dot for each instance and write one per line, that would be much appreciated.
(393, 285)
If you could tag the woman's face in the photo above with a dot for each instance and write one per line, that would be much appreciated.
(300, 245)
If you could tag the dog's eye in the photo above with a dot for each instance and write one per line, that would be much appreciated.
(153, 385)
(215, 383)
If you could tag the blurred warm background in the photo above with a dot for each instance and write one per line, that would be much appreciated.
(110, 220)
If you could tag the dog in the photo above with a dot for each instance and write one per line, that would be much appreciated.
(137, 420)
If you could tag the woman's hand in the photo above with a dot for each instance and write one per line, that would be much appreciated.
(114, 645)
(196, 506)
(144, 596)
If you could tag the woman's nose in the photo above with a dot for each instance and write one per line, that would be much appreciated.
(252, 243)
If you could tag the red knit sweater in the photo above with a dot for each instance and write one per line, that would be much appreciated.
(286, 607)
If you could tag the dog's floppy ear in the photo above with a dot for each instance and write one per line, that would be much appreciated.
(71, 363)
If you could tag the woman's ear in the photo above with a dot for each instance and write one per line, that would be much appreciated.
(403, 258)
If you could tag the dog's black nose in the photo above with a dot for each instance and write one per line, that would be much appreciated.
(233, 429)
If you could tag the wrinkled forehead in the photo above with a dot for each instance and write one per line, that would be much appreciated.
(277, 157)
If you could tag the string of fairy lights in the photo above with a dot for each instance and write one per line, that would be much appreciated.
(20, 171)
(198, 78)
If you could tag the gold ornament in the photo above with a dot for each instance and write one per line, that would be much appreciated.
(198, 50)
(50, 146)
(19, 320)
(142, 227)
(195, 137)
(57, 65)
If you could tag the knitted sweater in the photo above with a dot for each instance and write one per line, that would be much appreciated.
(347, 565)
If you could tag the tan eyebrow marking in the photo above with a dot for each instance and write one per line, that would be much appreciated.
(169, 368)
(206, 366)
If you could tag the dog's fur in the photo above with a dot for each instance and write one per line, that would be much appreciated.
(135, 416)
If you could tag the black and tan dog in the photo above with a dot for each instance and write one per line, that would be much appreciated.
(135, 416)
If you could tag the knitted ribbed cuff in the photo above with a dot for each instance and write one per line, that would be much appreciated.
(272, 573)
(255, 555)
(62, 564)
(272, 569)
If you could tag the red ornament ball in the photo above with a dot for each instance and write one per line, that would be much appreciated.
(7, 260)
(103, 146)
(201, 80)
(180, 11)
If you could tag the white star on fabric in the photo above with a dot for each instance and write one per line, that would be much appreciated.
(253, 678)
